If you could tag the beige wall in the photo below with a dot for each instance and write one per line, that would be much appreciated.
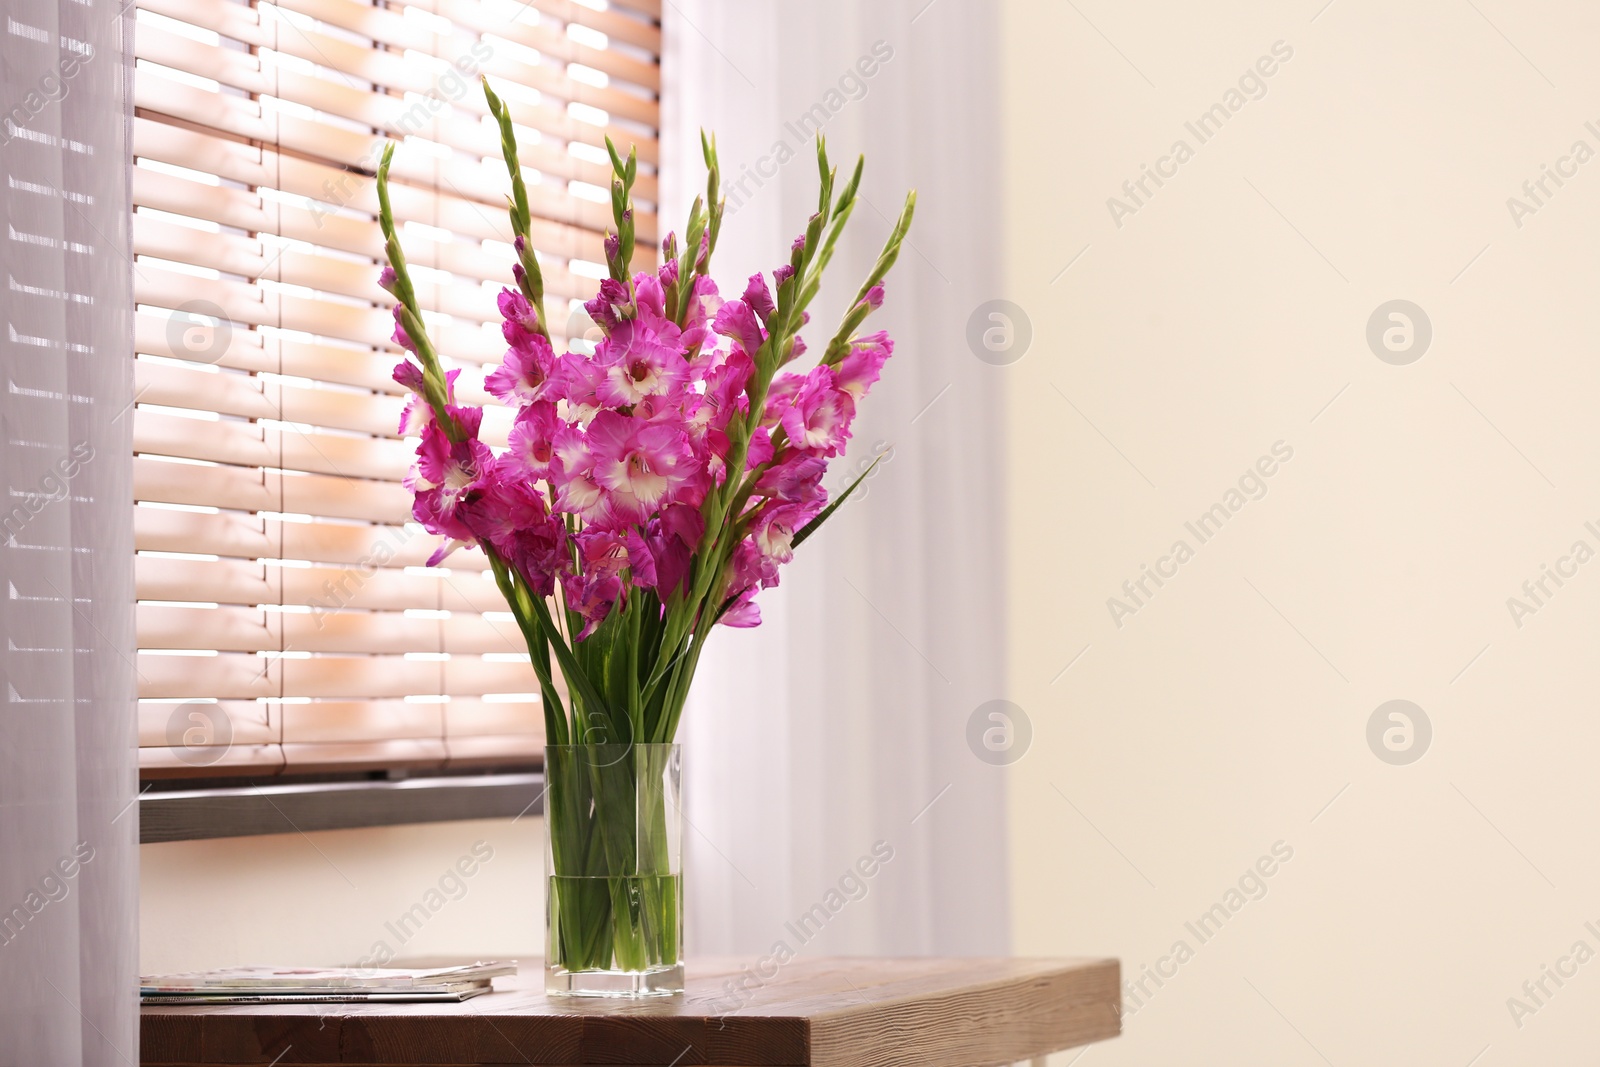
(1224, 315)
(333, 897)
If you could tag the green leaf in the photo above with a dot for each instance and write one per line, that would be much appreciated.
(574, 674)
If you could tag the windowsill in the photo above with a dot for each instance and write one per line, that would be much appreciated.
(283, 806)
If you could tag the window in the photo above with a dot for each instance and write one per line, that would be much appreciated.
(286, 624)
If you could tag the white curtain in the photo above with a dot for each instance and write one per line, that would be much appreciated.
(837, 723)
(68, 824)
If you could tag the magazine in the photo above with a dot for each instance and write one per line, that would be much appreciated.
(265, 984)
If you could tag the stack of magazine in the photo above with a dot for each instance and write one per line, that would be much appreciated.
(333, 985)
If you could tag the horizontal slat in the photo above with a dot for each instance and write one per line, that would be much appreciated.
(375, 752)
(231, 761)
(482, 732)
(251, 397)
(472, 717)
(465, 296)
(174, 337)
(501, 18)
(255, 537)
(344, 721)
(164, 723)
(159, 334)
(495, 750)
(254, 259)
(612, 23)
(456, 53)
(197, 738)
(239, 676)
(191, 724)
(325, 189)
(477, 182)
(650, 8)
(242, 489)
(253, 305)
(256, 445)
(462, 125)
(364, 587)
(332, 628)
(329, 736)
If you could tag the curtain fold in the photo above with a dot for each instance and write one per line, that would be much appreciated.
(68, 821)
(841, 724)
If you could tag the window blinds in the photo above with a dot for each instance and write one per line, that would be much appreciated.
(285, 620)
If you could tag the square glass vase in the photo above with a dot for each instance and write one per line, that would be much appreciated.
(613, 860)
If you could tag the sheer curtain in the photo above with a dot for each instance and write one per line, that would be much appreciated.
(68, 828)
(842, 721)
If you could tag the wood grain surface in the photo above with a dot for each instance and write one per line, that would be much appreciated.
(839, 1012)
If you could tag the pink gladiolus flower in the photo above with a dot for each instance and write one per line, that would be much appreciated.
(671, 538)
(759, 450)
(610, 552)
(591, 596)
(856, 373)
(704, 303)
(532, 440)
(521, 378)
(749, 572)
(577, 380)
(408, 374)
(744, 614)
(737, 320)
(819, 418)
(797, 477)
(650, 302)
(577, 491)
(641, 562)
(448, 475)
(780, 396)
(446, 547)
(610, 306)
(513, 517)
(415, 416)
(638, 361)
(757, 296)
(640, 465)
(519, 315)
(418, 413)
(774, 533)
(400, 337)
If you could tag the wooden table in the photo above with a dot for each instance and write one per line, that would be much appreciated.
(823, 1012)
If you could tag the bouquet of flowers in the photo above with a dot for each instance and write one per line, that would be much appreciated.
(649, 491)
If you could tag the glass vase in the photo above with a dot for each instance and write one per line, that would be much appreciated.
(613, 856)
